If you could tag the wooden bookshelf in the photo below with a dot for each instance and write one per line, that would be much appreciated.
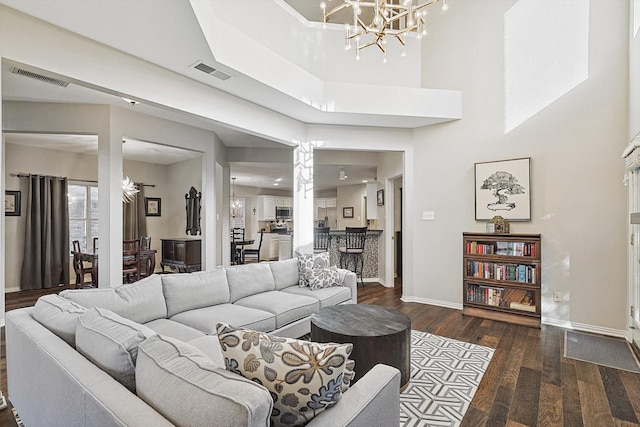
(501, 277)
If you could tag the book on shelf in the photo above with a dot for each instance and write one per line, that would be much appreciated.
(522, 273)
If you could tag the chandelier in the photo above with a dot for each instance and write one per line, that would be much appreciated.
(129, 190)
(393, 18)
(237, 207)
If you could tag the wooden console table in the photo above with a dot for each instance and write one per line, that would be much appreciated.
(181, 254)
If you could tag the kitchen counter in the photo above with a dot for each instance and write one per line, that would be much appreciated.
(371, 250)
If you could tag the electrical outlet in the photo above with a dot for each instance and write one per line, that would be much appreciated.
(557, 297)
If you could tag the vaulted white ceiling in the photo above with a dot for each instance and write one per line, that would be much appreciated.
(176, 35)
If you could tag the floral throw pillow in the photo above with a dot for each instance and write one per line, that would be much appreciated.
(319, 278)
(304, 378)
(308, 262)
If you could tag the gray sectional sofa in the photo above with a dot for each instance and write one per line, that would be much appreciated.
(53, 382)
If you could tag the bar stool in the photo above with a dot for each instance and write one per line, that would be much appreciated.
(353, 249)
(321, 239)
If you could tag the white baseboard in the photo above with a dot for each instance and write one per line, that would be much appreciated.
(583, 327)
(7, 290)
(429, 301)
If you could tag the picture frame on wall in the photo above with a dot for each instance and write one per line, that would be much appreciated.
(12, 203)
(152, 206)
(503, 188)
(380, 197)
(347, 212)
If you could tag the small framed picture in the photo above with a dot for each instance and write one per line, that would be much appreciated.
(152, 206)
(12, 203)
(347, 212)
(380, 197)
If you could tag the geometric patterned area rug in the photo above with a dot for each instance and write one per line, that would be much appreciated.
(445, 374)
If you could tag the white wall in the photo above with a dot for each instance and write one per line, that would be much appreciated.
(182, 176)
(149, 173)
(634, 70)
(36, 161)
(578, 200)
(351, 196)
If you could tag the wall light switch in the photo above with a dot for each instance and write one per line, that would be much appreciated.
(428, 215)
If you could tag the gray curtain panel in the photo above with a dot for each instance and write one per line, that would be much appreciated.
(46, 247)
(134, 222)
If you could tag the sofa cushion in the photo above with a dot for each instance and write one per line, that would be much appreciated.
(111, 342)
(308, 262)
(210, 346)
(187, 291)
(326, 296)
(141, 301)
(304, 378)
(319, 278)
(174, 329)
(249, 279)
(286, 307)
(205, 319)
(285, 273)
(59, 315)
(185, 386)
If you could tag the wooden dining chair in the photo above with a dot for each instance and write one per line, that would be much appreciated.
(130, 260)
(251, 253)
(80, 266)
(237, 236)
(145, 261)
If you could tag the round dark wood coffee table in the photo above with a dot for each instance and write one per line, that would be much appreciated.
(378, 335)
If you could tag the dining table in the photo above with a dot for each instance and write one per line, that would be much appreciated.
(147, 256)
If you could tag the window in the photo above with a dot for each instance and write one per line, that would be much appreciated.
(83, 215)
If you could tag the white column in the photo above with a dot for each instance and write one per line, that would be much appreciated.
(303, 197)
(110, 209)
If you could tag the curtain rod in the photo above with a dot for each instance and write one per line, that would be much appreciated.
(26, 175)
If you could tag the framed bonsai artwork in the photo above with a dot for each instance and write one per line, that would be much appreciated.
(12, 203)
(503, 188)
(347, 212)
(152, 206)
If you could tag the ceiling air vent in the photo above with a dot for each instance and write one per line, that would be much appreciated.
(39, 77)
(211, 71)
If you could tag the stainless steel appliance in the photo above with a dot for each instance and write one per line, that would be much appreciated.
(283, 212)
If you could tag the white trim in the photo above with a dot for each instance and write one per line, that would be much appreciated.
(635, 142)
(545, 321)
(429, 301)
(565, 324)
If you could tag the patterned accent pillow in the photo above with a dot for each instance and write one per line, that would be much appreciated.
(319, 278)
(349, 373)
(310, 261)
(304, 378)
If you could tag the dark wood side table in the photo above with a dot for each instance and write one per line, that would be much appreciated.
(378, 335)
(183, 254)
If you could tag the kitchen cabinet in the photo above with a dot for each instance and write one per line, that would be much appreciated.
(286, 202)
(266, 208)
(325, 207)
(284, 247)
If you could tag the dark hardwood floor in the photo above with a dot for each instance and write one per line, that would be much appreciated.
(528, 382)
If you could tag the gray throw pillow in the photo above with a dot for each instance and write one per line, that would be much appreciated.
(111, 342)
(59, 315)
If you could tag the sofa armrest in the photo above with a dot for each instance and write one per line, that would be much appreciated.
(350, 280)
(372, 401)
